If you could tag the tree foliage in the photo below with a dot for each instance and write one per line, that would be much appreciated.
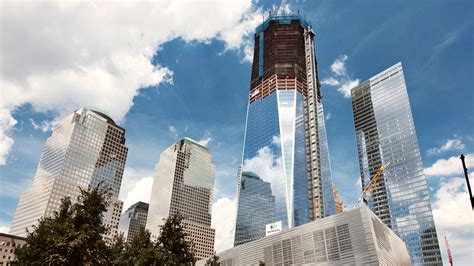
(173, 248)
(213, 261)
(74, 236)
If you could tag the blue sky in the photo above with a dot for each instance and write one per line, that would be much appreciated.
(170, 70)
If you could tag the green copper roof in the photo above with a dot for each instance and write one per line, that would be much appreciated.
(195, 142)
(101, 113)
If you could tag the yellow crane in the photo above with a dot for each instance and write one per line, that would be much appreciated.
(372, 184)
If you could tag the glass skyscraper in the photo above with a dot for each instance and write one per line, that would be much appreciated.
(85, 148)
(184, 183)
(385, 133)
(285, 138)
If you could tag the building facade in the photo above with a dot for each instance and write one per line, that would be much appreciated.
(184, 183)
(354, 237)
(133, 220)
(8, 244)
(86, 148)
(385, 133)
(285, 138)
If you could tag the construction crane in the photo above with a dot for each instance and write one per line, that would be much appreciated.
(449, 250)
(371, 185)
(282, 3)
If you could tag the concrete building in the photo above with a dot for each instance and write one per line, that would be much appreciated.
(385, 133)
(184, 183)
(354, 237)
(85, 149)
(285, 137)
(8, 244)
(133, 220)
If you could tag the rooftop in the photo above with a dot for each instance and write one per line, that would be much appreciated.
(251, 175)
(194, 142)
(282, 19)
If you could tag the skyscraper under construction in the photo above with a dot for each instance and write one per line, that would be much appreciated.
(285, 138)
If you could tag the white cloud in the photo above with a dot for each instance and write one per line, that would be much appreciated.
(133, 183)
(267, 166)
(276, 141)
(4, 229)
(140, 192)
(173, 131)
(358, 184)
(331, 81)
(338, 66)
(449, 167)
(346, 87)
(44, 126)
(270, 168)
(328, 116)
(206, 139)
(448, 145)
(341, 78)
(59, 56)
(454, 218)
(7, 122)
(224, 212)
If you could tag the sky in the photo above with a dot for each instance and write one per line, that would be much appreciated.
(169, 69)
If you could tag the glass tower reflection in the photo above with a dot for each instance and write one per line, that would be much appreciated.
(285, 140)
(258, 208)
(386, 133)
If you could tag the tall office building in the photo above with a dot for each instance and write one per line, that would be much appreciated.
(133, 220)
(285, 138)
(183, 183)
(85, 148)
(385, 133)
(257, 205)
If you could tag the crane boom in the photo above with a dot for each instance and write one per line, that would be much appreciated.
(375, 178)
(449, 250)
(282, 3)
(372, 184)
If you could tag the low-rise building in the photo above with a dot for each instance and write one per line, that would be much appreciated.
(354, 237)
(8, 244)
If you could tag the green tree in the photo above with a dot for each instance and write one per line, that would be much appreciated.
(71, 236)
(117, 249)
(172, 246)
(140, 250)
(213, 261)
(74, 236)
